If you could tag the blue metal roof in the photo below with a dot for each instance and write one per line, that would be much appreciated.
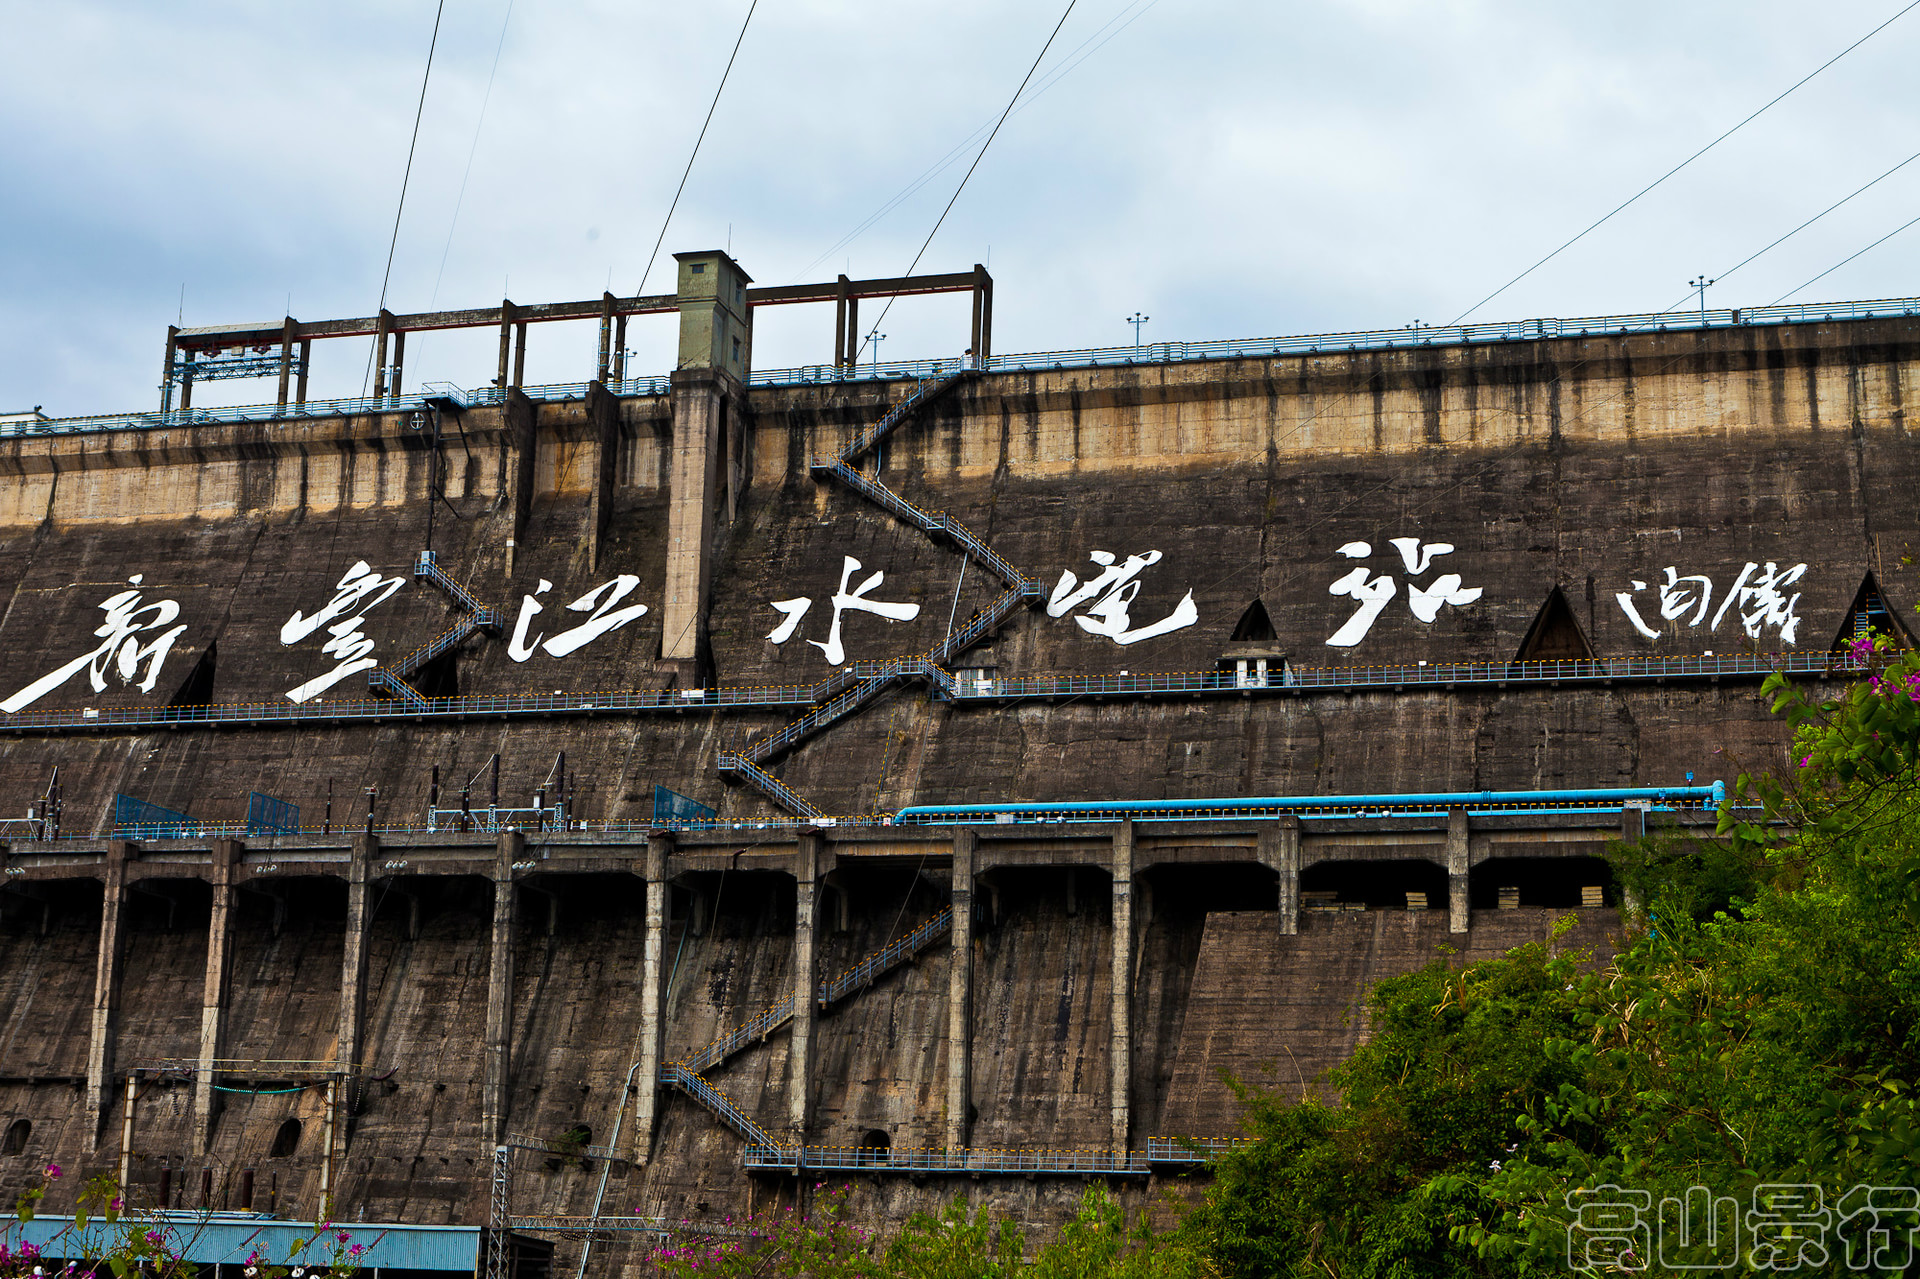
(230, 1237)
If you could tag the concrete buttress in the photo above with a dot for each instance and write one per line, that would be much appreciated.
(1122, 982)
(1459, 864)
(960, 992)
(806, 876)
(499, 1046)
(653, 953)
(353, 957)
(106, 987)
(226, 854)
(1279, 851)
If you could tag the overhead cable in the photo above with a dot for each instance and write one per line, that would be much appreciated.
(1684, 163)
(1797, 230)
(405, 177)
(460, 198)
(1843, 261)
(696, 147)
(976, 164)
(1067, 64)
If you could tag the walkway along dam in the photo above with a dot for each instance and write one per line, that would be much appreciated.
(642, 798)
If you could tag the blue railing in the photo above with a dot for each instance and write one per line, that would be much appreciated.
(1090, 1162)
(1146, 684)
(1150, 353)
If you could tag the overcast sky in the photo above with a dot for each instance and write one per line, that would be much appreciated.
(1231, 168)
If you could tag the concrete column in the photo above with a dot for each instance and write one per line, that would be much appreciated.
(213, 997)
(1633, 829)
(603, 411)
(1122, 984)
(306, 362)
(693, 474)
(106, 986)
(960, 992)
(1458, 865)
(506, 341)
(806, 983)
(499, 1046)
(1280, 852)
(647, 1079)
(518, 417)
(382, 327)
(353, 960)
(286, 358)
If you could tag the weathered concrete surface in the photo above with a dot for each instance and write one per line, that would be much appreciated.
(1581, 464)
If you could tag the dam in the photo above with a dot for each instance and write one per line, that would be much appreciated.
(576, 809)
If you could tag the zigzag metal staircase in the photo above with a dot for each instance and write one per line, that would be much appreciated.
(475, 616)
(685, 1073)
(846, 691)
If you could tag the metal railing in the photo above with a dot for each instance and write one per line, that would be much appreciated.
(926, 521)
(926, 390)
(374, 708)
(941, 1159)
(886, 959)
(767, 784)
(830, 992)
(1152, 353)
(1192, 1150)
(1283, 680)
(1289, 678)
(718, 1102)
(521, 1141)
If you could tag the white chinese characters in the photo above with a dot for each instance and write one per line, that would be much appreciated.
(1112, 593)
(1373, 595)
(1758, 598)
(843, 600)
(600, 602)
(357, 593)
(120, 648)
(1788, 1227)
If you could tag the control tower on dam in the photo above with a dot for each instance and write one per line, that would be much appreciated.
(632, 799)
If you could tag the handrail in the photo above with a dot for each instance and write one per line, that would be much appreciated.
(1285, 680)
(926, 390)
(716, 1101)
(767, 784)
(1152, 353)
(942, 1159)
(829, 992)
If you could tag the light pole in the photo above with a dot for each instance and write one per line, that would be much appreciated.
(874, 339)
(1702, 284)
(1136, 320)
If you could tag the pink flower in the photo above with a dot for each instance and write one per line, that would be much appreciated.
(53, 1170)
(1804, 759)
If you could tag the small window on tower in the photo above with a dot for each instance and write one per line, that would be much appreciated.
(699, 268)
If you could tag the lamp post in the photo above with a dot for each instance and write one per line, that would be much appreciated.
(1702, 284)
(1136, 320)
(874, 339)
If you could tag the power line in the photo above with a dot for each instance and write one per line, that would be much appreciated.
(1066, 66)
(976, 163)
(1843, 261)
(460, 199)
(1684, 163)
(407, 176)
(696, 146)
(1803, 226)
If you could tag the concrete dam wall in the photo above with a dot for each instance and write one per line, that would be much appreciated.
(1553, 565)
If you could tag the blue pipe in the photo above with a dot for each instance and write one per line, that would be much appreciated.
(1473, 800)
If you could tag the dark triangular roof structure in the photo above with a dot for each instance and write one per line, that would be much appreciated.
(1254, 625)
(1869, 612)
(1555, 635)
